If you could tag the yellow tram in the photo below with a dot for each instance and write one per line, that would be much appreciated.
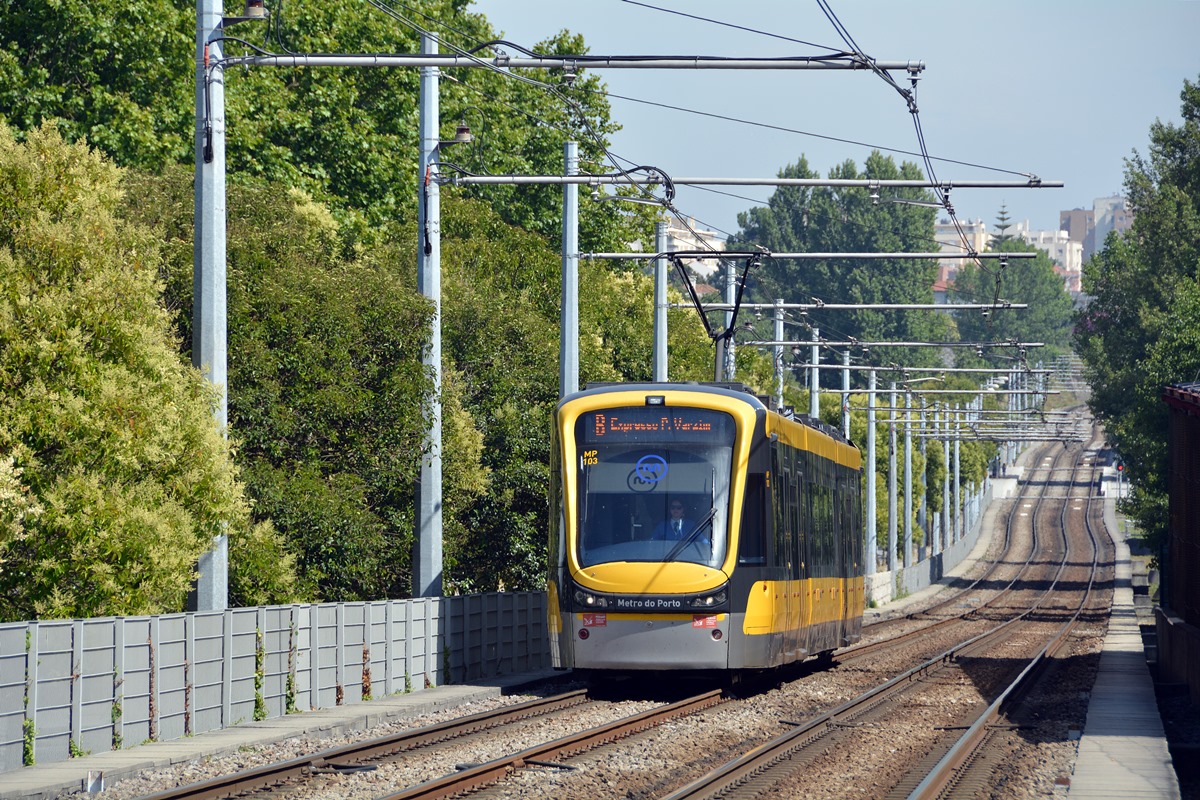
(695, 527)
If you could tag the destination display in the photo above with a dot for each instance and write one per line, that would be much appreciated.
(655, 424)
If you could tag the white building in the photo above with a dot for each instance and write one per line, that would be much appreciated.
(692, 237)
(1111, 215)
(1066, 253)
(951, 242)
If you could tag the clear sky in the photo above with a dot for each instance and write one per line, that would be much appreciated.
(1064, 90)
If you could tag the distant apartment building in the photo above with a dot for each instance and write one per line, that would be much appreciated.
(950, 241)
(1090, 227)
(694, 237)
(1111, 215)
(1066, 253)
(1081, 231)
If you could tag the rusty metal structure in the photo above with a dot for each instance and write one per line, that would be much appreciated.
(1178, 615)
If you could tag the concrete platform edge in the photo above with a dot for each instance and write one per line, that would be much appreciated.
(1123, 750)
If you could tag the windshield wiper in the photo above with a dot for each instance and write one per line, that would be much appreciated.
(691, 537)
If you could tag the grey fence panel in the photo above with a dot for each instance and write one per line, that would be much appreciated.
(12, 694)
(376, 680)
(243, 664)
(171, 705)
(275, 624)
(53, 647)
(135, 706)
(92, 685)
(325, 656)
(305, 685)
(97, 665)
(418, 654)
(207, 671)
(353, 638)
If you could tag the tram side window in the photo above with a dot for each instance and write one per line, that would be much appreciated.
(780, 475)
(799, 501)
(852, 523)
(822, 518)
(753, 548)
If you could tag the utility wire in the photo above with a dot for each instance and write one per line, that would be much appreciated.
(786, 129)
(732, 25)
(668, 201)
(571, 103)
(910, 99)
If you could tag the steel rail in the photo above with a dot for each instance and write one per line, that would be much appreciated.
(954, 763)
(862, 650)
(352, 756)
(745, 767)
(493, 771)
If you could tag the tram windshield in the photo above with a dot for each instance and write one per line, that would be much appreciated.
(653, 484)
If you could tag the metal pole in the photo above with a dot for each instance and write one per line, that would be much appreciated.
(427, 565)
(892, 520)
(568, 359)
(908, 482)
(1010, 447)
(779, 355)
(814, 381)
(730, 298)
(947, 534)
(871, 477)
(593, 62)
(209, 323)
(922, 499)
(660, 303)
(958, 531)
(846, 394)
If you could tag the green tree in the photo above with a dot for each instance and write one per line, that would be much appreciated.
(111, 71)
(117, 73)
(1033, 281)
(802, 219)
(123, 472)
(1138, 331)
(327, 384)
(1001, 236)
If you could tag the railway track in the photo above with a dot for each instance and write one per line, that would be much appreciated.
(968, 766)
(967, 763)
(361, 756)
(284, 778)
(570, 766)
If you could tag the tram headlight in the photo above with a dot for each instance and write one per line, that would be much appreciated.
(709, 600)
(590, 600)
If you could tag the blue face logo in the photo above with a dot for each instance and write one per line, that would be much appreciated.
(648, 471)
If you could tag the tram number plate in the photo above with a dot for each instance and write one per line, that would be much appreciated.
(595, 620)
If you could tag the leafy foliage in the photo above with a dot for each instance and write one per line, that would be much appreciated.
(502, 289)
(1138, 333)
(327, 382)
(1033, 281)
(826, 220)
(111, 71)
(112, 435)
